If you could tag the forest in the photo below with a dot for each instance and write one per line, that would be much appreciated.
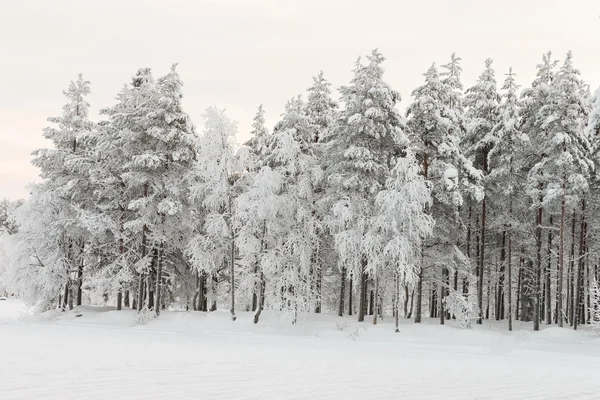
(476, 203)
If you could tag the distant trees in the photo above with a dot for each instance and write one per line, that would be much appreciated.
(479, 204)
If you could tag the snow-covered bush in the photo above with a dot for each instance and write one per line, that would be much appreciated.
(463, 308)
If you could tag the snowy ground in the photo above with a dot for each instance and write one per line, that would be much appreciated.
(198, 356)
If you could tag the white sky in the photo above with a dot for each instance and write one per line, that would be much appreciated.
(236, 54)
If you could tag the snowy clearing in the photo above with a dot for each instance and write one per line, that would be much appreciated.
(197, 355)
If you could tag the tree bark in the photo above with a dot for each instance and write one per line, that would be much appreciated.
(363, 289)
(80, 275)
(418, 309)
(481, 262)
(548, 293)
(376, 298)
(509, 278)
(159, 280)
(342, 292)
(538, 269)
(580, 269)
(261, 299)
(561, 259)
(571, 273)
(350, 296)
(499, 314)
(119, 300)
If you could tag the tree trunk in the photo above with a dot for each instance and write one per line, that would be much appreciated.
(318, 286)
(571, 273)
(342, 292)
(561, 259)
(509, 278)
(481, 262)
(418, 309)
(500, 294)
(214, 285)
(397, 303)
(538, 270)
(66, 295)
(548, 293)
(232, 265)
(261, 299)
(519, 283)
(363, 289)
(159, 280)
(580, 268)
(80, 275)
(119, 300)
(127, 299)
(376, 298)
(350, 296)
(442, 292)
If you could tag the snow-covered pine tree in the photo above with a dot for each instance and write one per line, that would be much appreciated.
(321, 111)
(434, 126)
(399, 225)
(213, 249)
(505, 158)
(364, 143)
(148, 146)
(532, 101)
(564, 166)
(320, 108)
(293, 158)
(64, 169)
(482, 101)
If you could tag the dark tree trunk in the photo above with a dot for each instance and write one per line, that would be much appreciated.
(66, 295)
(481, 262)
(561, 259)
(538, 270)
(548, 292)
(509, 279)
(342, 292)
(371, 302)
(363, 289)
(119, 300)
(159, 265)
(500, 294)
(350, 296)
(80, 276)
(580, 269)
(571, 274)
(215, 283)
(442, 293)
(261, 299)
(419, 305)
(519, 284)
(375, 301)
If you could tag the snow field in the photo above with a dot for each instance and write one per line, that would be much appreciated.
(196, 355)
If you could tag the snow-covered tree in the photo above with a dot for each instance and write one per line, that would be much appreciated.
(148, 147)
(64, 168)
(217, 169)
(482, 114)
(563, 166)
(320, 108)
(364, 143)
(505, 158)
(399, 225)
(434, 128)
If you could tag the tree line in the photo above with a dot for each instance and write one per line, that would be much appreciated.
(478, 203)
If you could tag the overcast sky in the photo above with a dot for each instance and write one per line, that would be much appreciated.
(237, 54)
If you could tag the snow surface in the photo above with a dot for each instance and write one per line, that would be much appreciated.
(192, 355)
